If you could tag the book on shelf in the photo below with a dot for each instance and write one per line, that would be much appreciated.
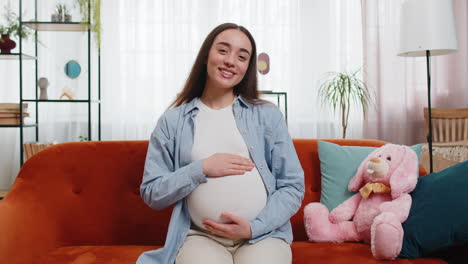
(10, 121)
(31, 148)
(12, 114)
(12, 106)
(7, 111)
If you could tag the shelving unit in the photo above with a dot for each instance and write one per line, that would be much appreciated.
(57, 26)
(16, 56)
(24, 125)
(41, 26)
(279, 102)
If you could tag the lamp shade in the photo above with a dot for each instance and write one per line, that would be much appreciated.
(427, 25)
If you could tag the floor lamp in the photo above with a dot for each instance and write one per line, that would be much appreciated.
(427, 28)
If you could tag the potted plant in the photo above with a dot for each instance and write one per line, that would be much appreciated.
(95, 19)
(11, 29)
(61, 14)
(82, 138)
(340, 90)
(66, 14)
(58, 15)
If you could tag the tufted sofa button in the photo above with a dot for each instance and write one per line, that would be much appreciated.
(137, 191)
(76, 190)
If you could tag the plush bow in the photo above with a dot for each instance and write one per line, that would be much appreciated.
(373, 187)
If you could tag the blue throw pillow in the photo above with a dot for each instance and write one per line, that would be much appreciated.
(338, 164)
(438, 218)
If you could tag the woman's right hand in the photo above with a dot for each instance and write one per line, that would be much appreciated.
(224, 164)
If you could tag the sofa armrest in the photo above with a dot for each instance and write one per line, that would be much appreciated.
(27, 231)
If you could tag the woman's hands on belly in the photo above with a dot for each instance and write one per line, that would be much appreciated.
(241, 195)
(238, 228)
(224, 164)
(225, 205)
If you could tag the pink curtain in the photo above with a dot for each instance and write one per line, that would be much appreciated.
(400, 83)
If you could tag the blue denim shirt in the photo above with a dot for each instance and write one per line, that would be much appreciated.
(170, 175)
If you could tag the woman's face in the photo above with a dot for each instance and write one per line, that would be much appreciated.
(228, 59)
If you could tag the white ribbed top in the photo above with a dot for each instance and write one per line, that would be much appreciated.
(243, 195)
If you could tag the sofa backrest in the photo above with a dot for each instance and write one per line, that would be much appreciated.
(91, 190)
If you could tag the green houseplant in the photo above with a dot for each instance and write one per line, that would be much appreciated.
(59, 10)
(12, 25)
(95, 6)
(340, 90)
(11, 28)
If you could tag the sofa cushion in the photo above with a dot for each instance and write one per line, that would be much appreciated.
(95, 254)
(338, 164)
(303, 253)
(438, 217)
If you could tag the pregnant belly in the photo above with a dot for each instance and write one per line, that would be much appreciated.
(242, 195)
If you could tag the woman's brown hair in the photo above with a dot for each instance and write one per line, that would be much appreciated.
(195, 83)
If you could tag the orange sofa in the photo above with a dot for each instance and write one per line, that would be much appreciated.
(80, 203)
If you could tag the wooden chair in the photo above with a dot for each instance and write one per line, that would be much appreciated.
(448, 125)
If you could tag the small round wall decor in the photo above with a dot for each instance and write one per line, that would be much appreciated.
(263, 63)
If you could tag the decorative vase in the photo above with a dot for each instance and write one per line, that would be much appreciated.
(44, 95)
(43, 83)
(56, 18)
(67, 18)
(6, 44)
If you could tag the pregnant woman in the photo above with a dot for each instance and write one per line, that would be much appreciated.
(225, 159)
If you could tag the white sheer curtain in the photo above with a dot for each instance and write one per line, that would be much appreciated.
(331, 41)
(148, 48)
(400, 82)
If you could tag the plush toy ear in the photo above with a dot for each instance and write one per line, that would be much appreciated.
(405, 177)
(356, 182)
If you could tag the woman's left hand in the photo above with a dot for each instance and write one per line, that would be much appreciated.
(238, 228)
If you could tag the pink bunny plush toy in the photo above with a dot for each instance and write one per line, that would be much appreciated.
(374, 214)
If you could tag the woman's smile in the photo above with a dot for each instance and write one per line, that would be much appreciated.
(226, 73)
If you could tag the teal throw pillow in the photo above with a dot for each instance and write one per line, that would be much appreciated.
(438, 218)
(338, 164)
